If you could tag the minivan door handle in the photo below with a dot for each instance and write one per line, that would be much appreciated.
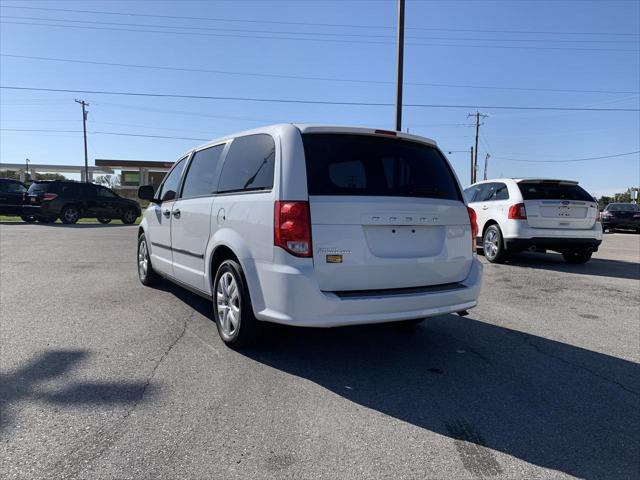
(485, 207)
(176, 213)
(166, 212)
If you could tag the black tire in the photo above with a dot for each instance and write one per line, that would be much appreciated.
(46, 219)
(146, 275)
(577, 256)
(28, 218)
(407, 326)
(493, 245)
(104, 220)
(70, 215)
(129, 216)
(233, 304)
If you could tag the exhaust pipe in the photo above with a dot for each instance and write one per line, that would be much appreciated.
(463, 313)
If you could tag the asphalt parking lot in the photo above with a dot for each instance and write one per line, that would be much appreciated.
(101, 377)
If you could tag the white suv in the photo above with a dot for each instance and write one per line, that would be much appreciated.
(535, 214)
(313, 226)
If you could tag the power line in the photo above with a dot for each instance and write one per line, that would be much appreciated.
(271, 37)
(328, 34)
(316, 102)
(101, 133)
(339, 25)
(566, 161)
(301, 77)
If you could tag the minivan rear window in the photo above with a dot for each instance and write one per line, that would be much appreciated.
(351, 164)
(553, 191)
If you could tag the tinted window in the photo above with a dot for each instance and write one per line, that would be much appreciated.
(12, 187)
(553, 191)
(501, 192)
(495, 191)
(106, 193)
(339, 164)
(472, 194)
(622, 207)
(169, 188)
(73, 189)
(249, 164)
(201, 173)
(37, 188)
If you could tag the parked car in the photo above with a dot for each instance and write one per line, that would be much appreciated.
(313, 226)
(12, 197)
(71, 201)
(535, 214)
(621, 215)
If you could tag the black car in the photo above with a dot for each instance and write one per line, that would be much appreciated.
(12, 197)
(70, 201)
(621, 215)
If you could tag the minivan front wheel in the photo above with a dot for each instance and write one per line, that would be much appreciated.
(232, 309)
(493, 245)
(145, 271)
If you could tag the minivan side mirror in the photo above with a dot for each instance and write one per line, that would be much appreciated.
(145, 192)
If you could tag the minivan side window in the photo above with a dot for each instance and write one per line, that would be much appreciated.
(249, 164)
(200, 176)
(169, 188)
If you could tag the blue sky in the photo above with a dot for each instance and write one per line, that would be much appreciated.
(567, 61)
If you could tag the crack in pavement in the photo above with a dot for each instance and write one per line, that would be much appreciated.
(81, 459)
(527, 340)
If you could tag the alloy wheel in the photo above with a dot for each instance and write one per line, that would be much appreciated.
(143, 260)
(491, 243)
(228, 303)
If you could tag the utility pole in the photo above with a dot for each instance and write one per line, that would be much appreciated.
(26, 161)
(486, 165)
(84, 129)
(475, 157)
(400, 65)
(473, 177)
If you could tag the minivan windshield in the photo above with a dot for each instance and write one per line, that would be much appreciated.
(351, 164)
(553, 191)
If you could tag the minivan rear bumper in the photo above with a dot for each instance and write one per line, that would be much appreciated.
(292, 297)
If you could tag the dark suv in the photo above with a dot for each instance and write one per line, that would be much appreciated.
(12, 196)
(70, 201)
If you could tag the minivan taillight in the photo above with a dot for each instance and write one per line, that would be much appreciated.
(292, 227)
(473, 219)
(597, 214)
(517, 212)
(49, 196)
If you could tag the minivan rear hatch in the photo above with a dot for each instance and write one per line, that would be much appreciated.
(386, 213)
(558, 204)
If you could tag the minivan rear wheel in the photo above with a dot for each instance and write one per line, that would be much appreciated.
(232, 310)
(493, 245)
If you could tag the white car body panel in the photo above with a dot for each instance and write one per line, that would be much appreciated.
(422, 245)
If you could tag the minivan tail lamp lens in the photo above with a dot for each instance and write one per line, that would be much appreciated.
(517, 212)
(292, 227)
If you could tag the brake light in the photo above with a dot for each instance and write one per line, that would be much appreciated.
(386, 132)
(597, 214)
(49, 196)
(473, 219)
(517, 212)
(292, 227)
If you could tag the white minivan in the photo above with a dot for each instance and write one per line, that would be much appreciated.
(313, 226)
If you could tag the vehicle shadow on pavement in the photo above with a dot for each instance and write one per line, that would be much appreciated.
(488, 388)
(30, 383)
(596, 266)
